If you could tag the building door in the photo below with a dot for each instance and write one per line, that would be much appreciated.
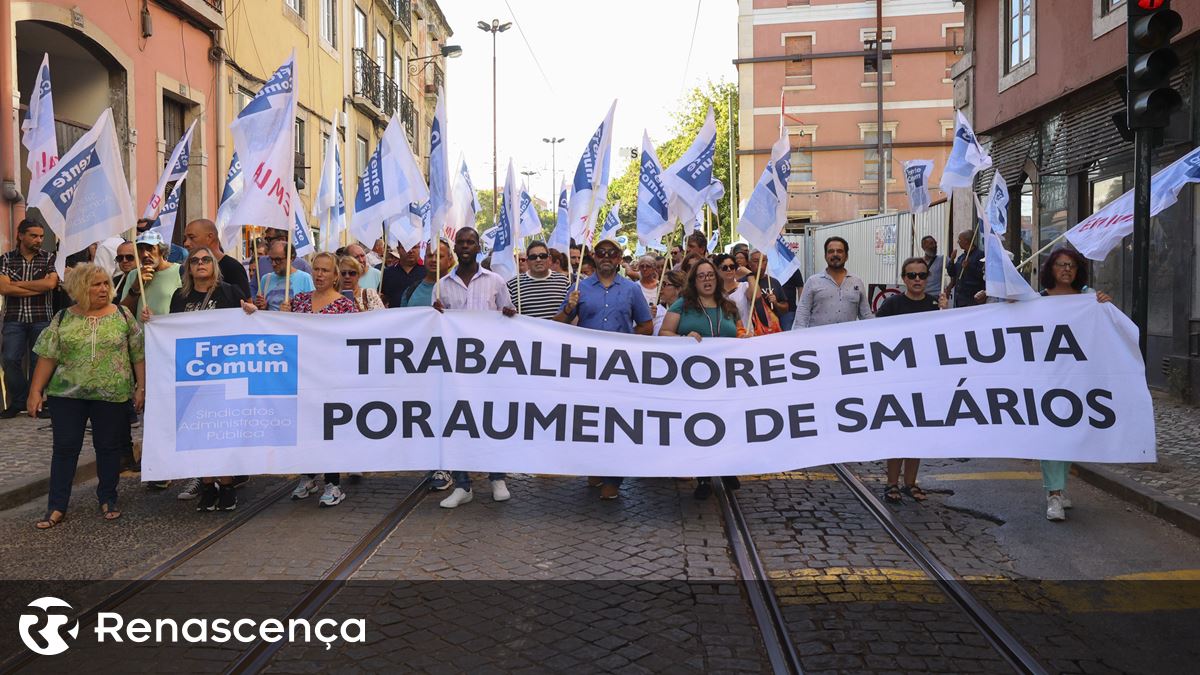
(173, 128)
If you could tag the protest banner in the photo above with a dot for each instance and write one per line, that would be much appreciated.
(1055, 378)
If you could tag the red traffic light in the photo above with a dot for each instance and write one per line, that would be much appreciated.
(1150, 4)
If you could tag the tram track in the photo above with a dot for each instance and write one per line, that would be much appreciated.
(87, 618)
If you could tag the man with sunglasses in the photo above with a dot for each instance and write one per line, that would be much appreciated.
(274, 282)
(126, 259)
(539, 290)
(607, 301)
(916, 277)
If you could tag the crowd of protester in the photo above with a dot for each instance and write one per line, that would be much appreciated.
(73, 351)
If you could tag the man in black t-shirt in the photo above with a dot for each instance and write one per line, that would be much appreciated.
(202, 233)
(915, 274)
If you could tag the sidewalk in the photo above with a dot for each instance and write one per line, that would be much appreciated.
(1169, 489)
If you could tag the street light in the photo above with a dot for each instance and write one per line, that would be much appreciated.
(527, 173)
(553, 173)
(446, 51)
(494, 27)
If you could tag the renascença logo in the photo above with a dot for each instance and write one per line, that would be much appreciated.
(43, 630)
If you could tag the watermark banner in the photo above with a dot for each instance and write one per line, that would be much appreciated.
(411, 389)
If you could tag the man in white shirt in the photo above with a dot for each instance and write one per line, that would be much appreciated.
(473, 287)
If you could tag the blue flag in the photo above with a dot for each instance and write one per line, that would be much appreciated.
(560, 238)
(766, 210)
(653, 221)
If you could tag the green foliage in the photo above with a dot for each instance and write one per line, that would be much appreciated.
(688, 120)
(485, 217)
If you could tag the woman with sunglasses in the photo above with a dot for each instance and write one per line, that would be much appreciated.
(351, 270)
(203, 289)
(740, 293)
(668, 293)
(704, 311)
(915, 274)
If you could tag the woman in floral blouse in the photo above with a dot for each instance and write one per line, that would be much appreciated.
(366, 299)
(91, 363)
(326, 299)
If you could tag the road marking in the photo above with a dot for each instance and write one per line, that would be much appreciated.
(987, 475)
(1165, 575)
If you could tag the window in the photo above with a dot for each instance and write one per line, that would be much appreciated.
(296, 6)
(802, 159)
(798, 73)
(300, 147)
(869, 66)
(954, 39)
(397, 66)
(244, 96)
(1107, 6)
(329, 22)
(381, 51)
(871, 156)
(361, 151)
(1018, 35)
(360, 29)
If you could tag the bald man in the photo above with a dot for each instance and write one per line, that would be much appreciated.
(202, 233)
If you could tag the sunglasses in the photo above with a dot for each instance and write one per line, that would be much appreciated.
(538, 256)
(200, 260)
(349, 273)
(727, 268)
(607, 253)
(128, 257)
(916, 275)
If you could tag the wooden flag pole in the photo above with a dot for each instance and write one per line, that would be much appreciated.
(383, 264)
(662, 277)
(287, 261)
(754, 281)
(517, 263)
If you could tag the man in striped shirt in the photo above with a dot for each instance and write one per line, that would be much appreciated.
(538, 292)
(473, 287)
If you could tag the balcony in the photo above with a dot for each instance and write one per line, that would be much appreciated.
(408, 115)
(368, 79)
(391, 97)
(402, 10)
(208, 13)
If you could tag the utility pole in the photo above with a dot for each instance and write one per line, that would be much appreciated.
(494, 27)
(881, 173)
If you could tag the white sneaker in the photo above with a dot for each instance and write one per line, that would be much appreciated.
(500, 491)
(191, 490)
(1066, 501)
(457, 498)
(307, 486)
(333, 495)
(1054, 508)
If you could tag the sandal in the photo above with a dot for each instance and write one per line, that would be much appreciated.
(892, 493)
(109, 511)
(915, 492)
(50, 521)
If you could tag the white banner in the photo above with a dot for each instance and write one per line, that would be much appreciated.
(412, 389)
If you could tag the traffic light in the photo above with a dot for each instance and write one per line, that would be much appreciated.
(1151, 100)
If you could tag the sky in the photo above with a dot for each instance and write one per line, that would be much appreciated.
(635, 51)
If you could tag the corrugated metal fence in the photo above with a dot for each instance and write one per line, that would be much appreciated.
(879, 244)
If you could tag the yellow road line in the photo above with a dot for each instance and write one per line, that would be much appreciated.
(988, 475)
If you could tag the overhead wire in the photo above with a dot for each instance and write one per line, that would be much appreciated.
(691, 44)
(528, 46)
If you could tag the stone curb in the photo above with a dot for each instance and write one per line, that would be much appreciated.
(21, 490)
(1179, 513)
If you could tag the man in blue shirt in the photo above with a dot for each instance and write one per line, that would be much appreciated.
(607, 301)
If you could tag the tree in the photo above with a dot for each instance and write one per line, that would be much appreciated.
(484, 218)
(688, 120)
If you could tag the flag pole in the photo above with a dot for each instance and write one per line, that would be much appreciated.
(1042, 250)
(437, 266)
(662, 277)
(287, 261)
(757, 284)
(383, 263)
(517, 264)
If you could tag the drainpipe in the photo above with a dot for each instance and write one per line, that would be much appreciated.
(8, 156)
(218, 40)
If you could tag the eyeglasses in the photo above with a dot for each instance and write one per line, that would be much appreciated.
(1065, 265)
(349, 273)
(727, 268)
(277, 260)
(706, 276)
(916, 275)
(538, 256)
(607, 253)
(128, 257)
(200, 260)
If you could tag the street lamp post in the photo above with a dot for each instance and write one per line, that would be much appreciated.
(494, 27)
(553, 172)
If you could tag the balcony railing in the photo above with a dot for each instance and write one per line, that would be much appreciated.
(439, 80)
(403, 11)
(391, 97)
(215, 4)
(408, 115)
(368, 78)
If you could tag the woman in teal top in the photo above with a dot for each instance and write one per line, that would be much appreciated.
(703, 311)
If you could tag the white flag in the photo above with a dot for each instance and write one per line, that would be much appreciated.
(230, 232)
(714, 240)
(440, 196)
(967, 157)
(1102, 231)
(165, 223)
(37, 130)
(504, 244)
(330, 205)
(765, 213)
(916, 180)
(653, 221)
(997, 205)
(612, 223)
(530, 223)
(590, 187)
(782, 263)
(86, 197)
(302, 242)
(465, 204)
(176, 170)
(264, 137)
(689, 180)
(1001, 276)
(388, 187)
(560, 238)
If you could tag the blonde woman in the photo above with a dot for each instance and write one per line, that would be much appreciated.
(351, 270)
(91, 363)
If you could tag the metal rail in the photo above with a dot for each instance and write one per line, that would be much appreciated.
(771, 624)
(256, 658)
(88, 617)
(988, 624)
